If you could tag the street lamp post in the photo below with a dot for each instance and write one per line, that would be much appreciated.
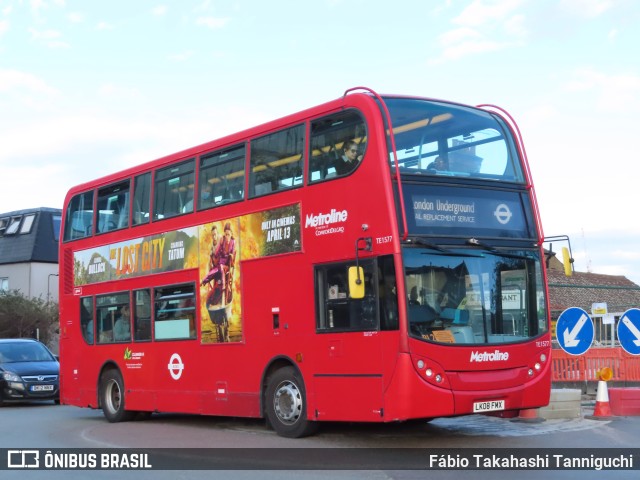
(48, 285)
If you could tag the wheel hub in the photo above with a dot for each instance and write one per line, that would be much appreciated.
(287, 402)
(113, 396)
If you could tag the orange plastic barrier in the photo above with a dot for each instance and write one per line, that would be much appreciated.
(584, 368)
(625, 401)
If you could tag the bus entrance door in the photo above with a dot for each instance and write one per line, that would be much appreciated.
(349, 383)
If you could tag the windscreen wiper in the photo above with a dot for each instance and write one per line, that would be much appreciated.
(474, 242)
(443, 251)
(424, 243)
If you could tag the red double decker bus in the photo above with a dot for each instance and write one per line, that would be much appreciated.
(374, 258)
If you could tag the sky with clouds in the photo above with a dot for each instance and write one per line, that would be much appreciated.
(90, 87)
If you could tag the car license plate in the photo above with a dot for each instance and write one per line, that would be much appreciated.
(42, 388)
(488, 406)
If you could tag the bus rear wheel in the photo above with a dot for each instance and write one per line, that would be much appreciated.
(286, 404)
(112, 397)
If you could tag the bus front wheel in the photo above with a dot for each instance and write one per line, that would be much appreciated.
(286, 405)
(112, 397)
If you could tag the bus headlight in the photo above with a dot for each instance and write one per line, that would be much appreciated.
(430, 371)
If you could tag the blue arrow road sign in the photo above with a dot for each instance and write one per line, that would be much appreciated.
(629, 331)
(574, 331)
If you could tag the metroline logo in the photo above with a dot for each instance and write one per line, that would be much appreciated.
(496, 356)
(325, 219)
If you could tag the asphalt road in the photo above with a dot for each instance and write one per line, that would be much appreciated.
(376, 449)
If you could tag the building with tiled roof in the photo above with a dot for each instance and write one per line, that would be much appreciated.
(583, 290)
(29, 252)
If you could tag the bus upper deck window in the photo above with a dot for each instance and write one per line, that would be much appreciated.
(113, 207)
(221, 177)
(174, 190)
(337, 145)
(79, 217)
(276, 161)
(450, 140)
(141, 198)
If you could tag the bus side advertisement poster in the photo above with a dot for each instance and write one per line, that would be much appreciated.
(216, 249)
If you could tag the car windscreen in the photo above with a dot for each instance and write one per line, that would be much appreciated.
(24, 352)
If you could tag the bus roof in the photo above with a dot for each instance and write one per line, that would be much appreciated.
(352, 97)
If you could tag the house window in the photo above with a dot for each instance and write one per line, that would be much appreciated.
(13, 225)
(4, 223)
(57, 221)
(27, 223)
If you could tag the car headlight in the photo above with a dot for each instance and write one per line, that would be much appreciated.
(11, 377)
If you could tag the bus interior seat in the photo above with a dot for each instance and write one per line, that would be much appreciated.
(139, 216)
(123, 221)
(421, 314)
(81, 223)
(123, 210)
(461, 317)
(263, 188)
(448, 314)
(233, 191)
(107, 221)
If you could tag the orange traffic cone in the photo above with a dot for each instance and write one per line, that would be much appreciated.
(602, 411)
(528, 415)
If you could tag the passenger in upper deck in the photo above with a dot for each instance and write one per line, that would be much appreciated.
(438, 165)
(349, 159)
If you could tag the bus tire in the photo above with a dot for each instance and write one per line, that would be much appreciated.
(112, 397)
(286, 404)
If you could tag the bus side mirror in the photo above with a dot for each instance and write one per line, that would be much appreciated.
(567, 261)
(356, 283)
